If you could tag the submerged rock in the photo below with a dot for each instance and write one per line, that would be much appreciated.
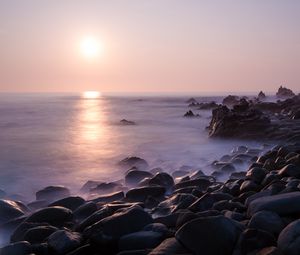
(10, 209)
(130, 162)
(52, 193)
(127, 122)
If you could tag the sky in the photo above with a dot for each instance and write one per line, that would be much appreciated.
(175, 46)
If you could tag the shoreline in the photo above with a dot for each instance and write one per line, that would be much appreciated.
(186, 212)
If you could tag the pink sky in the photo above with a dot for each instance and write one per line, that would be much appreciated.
(156, 46)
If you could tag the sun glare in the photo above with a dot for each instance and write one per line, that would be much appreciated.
(90, 47)
(91, 94)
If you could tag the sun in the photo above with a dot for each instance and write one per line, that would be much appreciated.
(91, 94)
(90, 47)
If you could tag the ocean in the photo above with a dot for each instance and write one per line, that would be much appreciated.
(66, 139)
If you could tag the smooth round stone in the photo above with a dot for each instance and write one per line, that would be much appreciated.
(289, 239)
(10, 209)
(71, 203)
(52, 193)
(18, 248)
(63, 241)
(38, 234)
(216, 235)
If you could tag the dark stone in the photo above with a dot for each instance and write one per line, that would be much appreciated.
(254, 239)
(19, 248)
(282, 204)
(168, 247)
(63, 241)
(38, 234)
(140, 240)
(83, 250)
(231, 100)
(290, 170)
(109, 197)
(107, 188)
(284, 92)
(109, 230)
(267, 221)
(201, 183)
(133, 177)
(249, 185)
(288, 241)
(52, 193)
(163, 179)
(55, 216)
(127, 122)
(9, 210)
(190, 114)
(257, 174)
(71, 203)
(261, 95)
(140, 194)
(85, 210)
(219, 240)
(130, 162)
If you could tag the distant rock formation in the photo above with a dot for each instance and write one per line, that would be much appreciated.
(231, 100)
(190, 114)
(284, 92)
(127, 122)
(261, 95)
(191, 100)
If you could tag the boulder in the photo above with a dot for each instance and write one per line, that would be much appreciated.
(133, 177)
(284, 92)
(140, 194)
(268, 221)
(56, 216)
(130, 162)
(9, 210)
(71, 203)
(62, 241)
(164, 180)
(219, 240)
(85, 210)
(52, 193)
(18, 248)
(169, 246)
(125, 122)
(289, 239)
(230, 100)
(283, 204)
(107, 232)
(140, 240)
(38, 234)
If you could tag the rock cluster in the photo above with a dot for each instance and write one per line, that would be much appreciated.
(256, 212)
(284, 92)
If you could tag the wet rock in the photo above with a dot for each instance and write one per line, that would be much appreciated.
(108, 231)
(71, 203)
(201, 183)
(52, 193)
(207, 106)
(284, 92)
(89, 185)
(231, 100)
(267, 221)
(130, 162)
(10, 209)
(282, 204)
(169, 246)
(257, 174)
(109, 197)
(290, 170)
(83, 250)
(38, 204)
(288, 241)
(261, 96)
(142, 193)
(127, 122)
(63, 241)
(140, 240)
(158, 227)
(221, 238)
(190, 114)
(85, 210)
(164, 180)
(38, 234)
(19, 248)
(133, 177)
(107, 188)
(55, 216)
(249, 185)
(254, 239)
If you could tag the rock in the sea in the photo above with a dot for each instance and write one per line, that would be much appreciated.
(289, 239)
(71, 203)
(216, 235)
(85, 210)
(107, 232)
(10, 209)
(19, 248)
(63, 241)
(133, 177)
(190, 114)
(140, 194)
(55, 216)
(162, 179)
(127, 122)
(130, 162)
(239, 124)
(282, 204)
(231, 100)
(261, 95)
(52, 193)
(284, 92)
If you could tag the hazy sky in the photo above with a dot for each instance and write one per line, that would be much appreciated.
(150, 45)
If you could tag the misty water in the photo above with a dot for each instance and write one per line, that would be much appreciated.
(67, 139)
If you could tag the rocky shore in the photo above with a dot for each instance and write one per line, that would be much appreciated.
(149, 211)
